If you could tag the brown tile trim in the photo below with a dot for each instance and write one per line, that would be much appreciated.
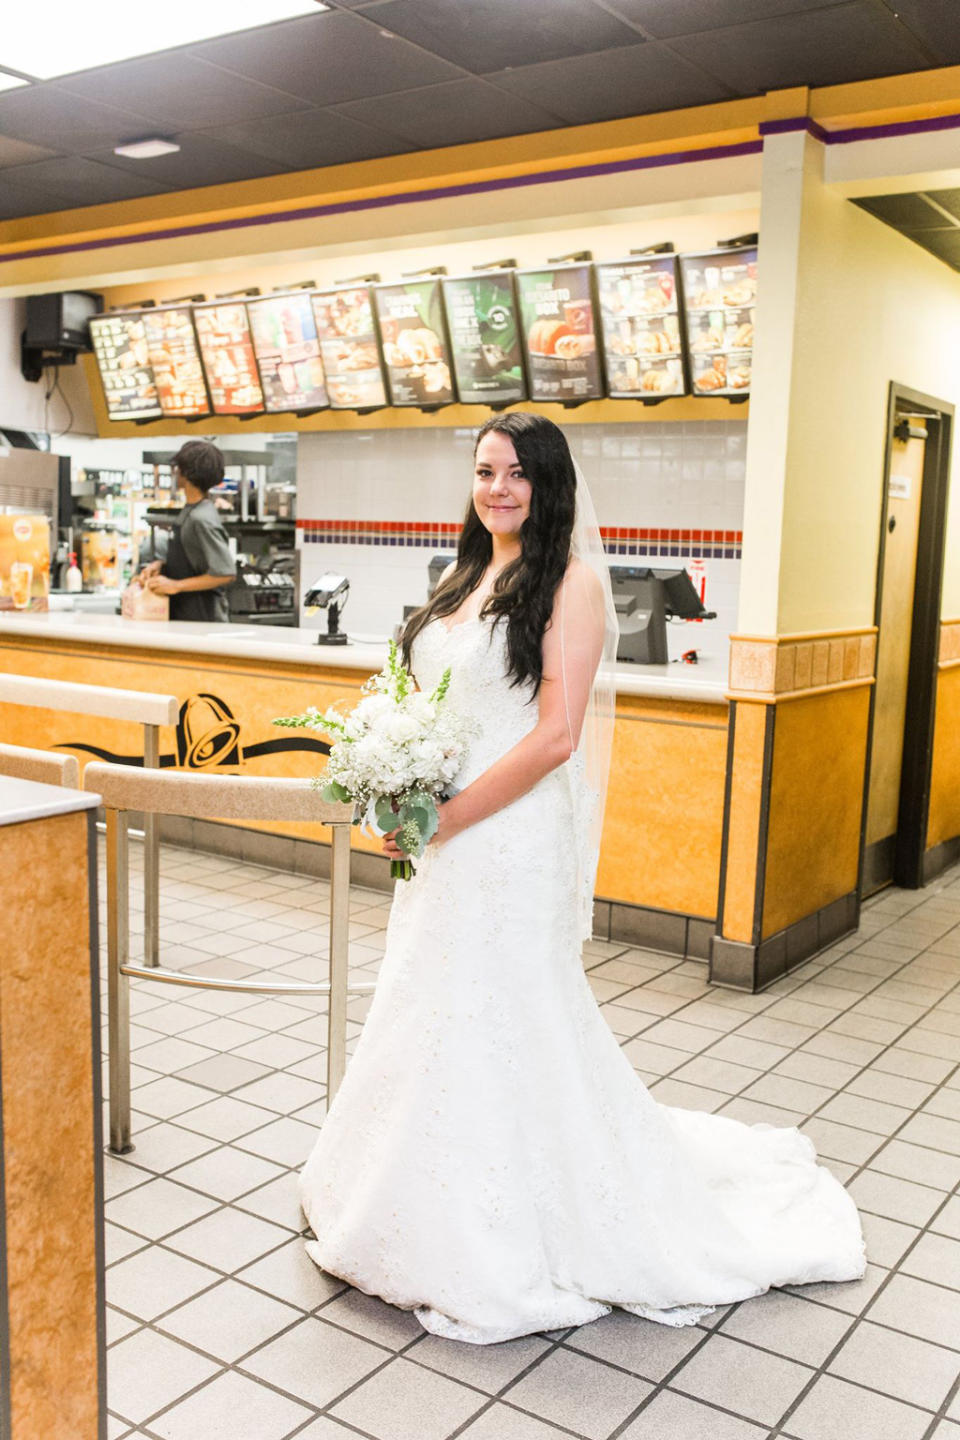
(939, 858)
(776, 667)
(739, 966)
(949, 652)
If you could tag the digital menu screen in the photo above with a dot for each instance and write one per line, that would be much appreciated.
(175, 360)
(414, 334)
(349, 347)
(228, 359)
(640, 323)
(120, 345)
(288, 352)
(485, 337)
(557, 319)
(720, 292)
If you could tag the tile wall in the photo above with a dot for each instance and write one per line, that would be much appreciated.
(375, 505)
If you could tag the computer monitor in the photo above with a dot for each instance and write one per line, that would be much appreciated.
(435, 569)
(643, 598)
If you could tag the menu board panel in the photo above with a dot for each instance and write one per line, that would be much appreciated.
(226, 349)
(557, 317)
(720, 291)
(175, 359)
(288, 352)
(640, 324)
(349, 347)
(414, 334)
(120, 345)
(485, 337)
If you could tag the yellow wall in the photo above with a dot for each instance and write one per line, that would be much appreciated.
(944, 819)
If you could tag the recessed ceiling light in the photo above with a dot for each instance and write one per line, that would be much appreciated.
(146, 149)
(57, 37)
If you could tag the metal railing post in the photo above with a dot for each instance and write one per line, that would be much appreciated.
(118, 984)
(339, 949)
(151, 857)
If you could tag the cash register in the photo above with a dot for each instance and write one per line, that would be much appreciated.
(643, 598)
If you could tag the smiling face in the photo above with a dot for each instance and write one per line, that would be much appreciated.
(501, 492)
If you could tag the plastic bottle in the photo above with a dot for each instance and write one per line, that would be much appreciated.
(74, 580)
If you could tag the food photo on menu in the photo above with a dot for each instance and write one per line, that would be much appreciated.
(228, 359)
(288, 352)
(640, 324)
(485, 337)
(721, 291)
(557, 318)
(413, 332)
(120, 348)
(175, 360)
(349, 347)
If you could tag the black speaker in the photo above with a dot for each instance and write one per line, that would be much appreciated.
(61, 322)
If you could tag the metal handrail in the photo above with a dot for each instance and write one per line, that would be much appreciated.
(200, 796)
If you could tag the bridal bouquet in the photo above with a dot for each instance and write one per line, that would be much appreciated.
(393, 755)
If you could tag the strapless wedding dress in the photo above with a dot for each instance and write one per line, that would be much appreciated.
(491, 1160)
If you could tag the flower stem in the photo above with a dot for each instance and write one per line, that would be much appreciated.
(401, 869)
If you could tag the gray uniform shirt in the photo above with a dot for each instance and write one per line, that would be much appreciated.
(207, 550)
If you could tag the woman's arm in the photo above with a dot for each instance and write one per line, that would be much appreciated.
(572, 646)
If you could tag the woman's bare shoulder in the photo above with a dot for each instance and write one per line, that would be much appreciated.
(581, 579)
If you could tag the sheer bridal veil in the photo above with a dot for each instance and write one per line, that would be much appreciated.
(591, 762)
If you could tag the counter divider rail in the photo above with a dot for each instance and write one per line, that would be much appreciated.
(221, 797)
(141, 707)
(20, 762)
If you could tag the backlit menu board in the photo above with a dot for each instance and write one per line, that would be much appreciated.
(557, 318)
(226, 349)
(288, 352)
(485, 337)
(349, 347)
(120, 345)
(175, 360)
(640, 323)
(720, 291)
(414, 335)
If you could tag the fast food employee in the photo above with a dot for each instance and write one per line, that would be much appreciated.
(199, 564)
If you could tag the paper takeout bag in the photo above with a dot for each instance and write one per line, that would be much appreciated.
(139, 603)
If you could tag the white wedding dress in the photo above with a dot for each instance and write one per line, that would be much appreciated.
(491, 1160)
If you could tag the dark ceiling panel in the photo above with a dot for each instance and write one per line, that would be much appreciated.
(935, 23)
(453, 114)
(949, 199)
(199, 161)
(319, 137)
(487, 35)
(181, 92)
(904, 212)
(18, 152)
(46, 115)
(70, 180)
(632, 81)
(945, 244)
(328, 58)
(689, 17)
(824, 47)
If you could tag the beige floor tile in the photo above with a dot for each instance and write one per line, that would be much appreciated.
(788, 1092)
(897, 1364)
(676, 1417)
(934, 1131)
(751, 1383)
(501, 1422)
(849, 1109)
(315, 1362)
(936, 1258)
(852, 1296)
(280, 1092)
(168, 1097)
(672, 1091)
(788, 1324)
(580, 1393)
(894, 1089)
(918, 1308)
(226, 1173)
(228, 1239)
(886, 1240)
(895, 1198)
(898, 1061)
(225, 1118)
(229, 1407)
(680, 1035)
(406, 1402)
(229, 1320)
(742, 1050)
(834, 1409)
(645, 1349)
(716, 1074)
(916, 1162)
(291, 1275)
(487, 1367)
(148, 1371)
(947, 1221)
(285, 1140)
(154, 1280)
(158, 1208)
(373, 1318)
(278, 1200)
(842, 1142)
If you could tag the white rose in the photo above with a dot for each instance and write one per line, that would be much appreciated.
(399, 728)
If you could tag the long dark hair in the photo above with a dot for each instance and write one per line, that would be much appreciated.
(524, 590)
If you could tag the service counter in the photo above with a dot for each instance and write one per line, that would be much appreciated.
(660, 860)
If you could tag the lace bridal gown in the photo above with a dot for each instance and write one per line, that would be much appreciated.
(491, 1160)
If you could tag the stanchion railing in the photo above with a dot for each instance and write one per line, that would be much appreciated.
(20, 762)
(214, 797)
(150, 711)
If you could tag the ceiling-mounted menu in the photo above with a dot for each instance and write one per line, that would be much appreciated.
(349, 347)
(120, 345)
(720, 290)
(229, 362)
(288, 352)
(414, 334)
(175, 361)
(557, 318)
(485, 337)
(640, 324)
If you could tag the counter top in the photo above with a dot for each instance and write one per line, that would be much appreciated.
(27, 800)
(704, 682)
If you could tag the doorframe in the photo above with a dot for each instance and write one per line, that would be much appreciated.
(915, 775)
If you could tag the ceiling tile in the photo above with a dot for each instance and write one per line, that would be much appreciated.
(18, 152)
(453, 114)
(904, 212)
(180, 91)
(314, 138)
(201, 160)
(46, 115)
(687, 17)
(945, 244)
(487, 35)
(949, 199)
(633, 81)
(936, 24)
(70, 181)
(825, 47)
(328, 58)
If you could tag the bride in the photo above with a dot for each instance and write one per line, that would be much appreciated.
(491, 1160)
